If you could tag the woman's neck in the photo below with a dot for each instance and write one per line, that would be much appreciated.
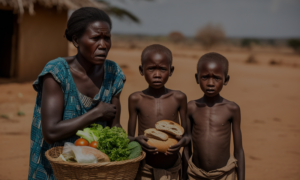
(85, 66)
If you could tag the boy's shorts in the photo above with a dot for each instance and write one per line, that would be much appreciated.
(147, 172)
(225, 173)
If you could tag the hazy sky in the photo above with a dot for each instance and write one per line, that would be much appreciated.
(239, 18)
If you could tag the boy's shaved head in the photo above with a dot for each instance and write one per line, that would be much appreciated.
(214, 57)
(156, 48)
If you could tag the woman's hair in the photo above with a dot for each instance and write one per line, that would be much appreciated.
(81, 18)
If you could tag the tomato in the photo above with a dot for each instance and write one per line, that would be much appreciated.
(94, 144)
(81, 142)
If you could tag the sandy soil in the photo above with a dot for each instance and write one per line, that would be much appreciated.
(267, 94)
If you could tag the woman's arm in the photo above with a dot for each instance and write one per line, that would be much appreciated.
(52, 109)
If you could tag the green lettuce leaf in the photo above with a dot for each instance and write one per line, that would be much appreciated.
(135, 149)
(114, 142)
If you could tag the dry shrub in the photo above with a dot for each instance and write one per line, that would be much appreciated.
(176, 37)
(210, 35)
(295, 65)
(251, 60)
(275, 62)
(132, 45)
(295, 44)
(123, 66)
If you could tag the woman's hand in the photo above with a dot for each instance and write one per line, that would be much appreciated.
(106, 111)
(143, 142)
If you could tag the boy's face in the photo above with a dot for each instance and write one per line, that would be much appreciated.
(156, 68)
(211, 78)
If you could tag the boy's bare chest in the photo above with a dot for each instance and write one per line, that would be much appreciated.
(219, 116)
(152, 110)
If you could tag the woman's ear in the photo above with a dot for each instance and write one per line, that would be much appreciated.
(141, 70)
(75, 41)
(226, 80)
(196, 77)
(172, 70)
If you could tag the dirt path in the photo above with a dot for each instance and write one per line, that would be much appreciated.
(268, 96)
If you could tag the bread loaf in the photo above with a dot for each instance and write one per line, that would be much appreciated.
(162, 146)
(169, 127)
(101, 157)
(155, 134)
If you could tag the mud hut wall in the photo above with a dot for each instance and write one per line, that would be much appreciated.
(41, 39)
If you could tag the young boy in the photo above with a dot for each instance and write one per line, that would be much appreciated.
(211, 118)
(154, 104)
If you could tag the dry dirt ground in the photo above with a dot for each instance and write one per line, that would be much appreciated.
(267, 94)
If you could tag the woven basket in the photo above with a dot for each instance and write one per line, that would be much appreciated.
(117, 170)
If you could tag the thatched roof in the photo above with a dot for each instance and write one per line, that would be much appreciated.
(20, 5)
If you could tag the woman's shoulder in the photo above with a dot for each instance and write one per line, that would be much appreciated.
(58, 62)
(113, 68)
(57, 68)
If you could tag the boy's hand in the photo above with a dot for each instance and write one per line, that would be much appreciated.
(174, 149)
(143, 142)
(178, 137)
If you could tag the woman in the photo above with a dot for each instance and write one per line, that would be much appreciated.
(74, 92)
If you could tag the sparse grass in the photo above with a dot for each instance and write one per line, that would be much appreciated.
(4, 116)
(251, 60)
(274, 62)
(123, 66)
(21, 113)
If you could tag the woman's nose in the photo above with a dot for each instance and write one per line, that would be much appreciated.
(102, 44)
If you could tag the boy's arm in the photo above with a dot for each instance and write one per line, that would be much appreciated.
(187, 151)
(132, 102)
(132, 107)
(182, 112)
(238, 146)
(116, 101)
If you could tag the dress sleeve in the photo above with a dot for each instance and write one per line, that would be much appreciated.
(57, 69)
(119, 81)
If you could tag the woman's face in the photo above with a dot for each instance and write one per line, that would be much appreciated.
(95, 42)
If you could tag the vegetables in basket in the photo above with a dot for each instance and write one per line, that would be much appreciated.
(90, 134)
(135, 149)
(111, 141)
(82, 154)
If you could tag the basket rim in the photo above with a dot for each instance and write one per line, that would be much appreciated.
(114, 163)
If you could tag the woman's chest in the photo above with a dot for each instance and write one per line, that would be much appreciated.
(89, 86)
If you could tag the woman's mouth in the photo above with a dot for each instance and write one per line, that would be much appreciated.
(101, 56)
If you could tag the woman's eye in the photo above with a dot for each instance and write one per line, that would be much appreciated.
(217, 78)
(204, 77)
(163, 69)
(107, 37)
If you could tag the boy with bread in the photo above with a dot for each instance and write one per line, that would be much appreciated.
(158, 138)
(211, 119)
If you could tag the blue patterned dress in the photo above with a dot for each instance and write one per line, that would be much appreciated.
(75, 104)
